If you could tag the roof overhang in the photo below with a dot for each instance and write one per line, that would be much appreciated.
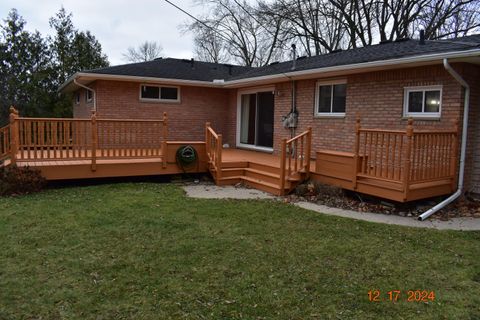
(472, 56)
(86, 78)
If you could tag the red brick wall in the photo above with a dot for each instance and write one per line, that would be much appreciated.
(377, 97)
(186, 119)
(472, 166)
(84, 108)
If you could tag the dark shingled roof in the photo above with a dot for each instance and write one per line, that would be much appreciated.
(379, 52)
(170, 68)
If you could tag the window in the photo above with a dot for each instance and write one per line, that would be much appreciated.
(77, 98)
(159, 93)
(331, 98)
(422, 102)
(89, 96)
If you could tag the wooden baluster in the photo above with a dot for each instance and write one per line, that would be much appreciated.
(406, 175)
(295, 154)
(219, 156)
(94, 140)
(356, 157)
(164, 143)
(454, 155)
(434, 156)
(375, 171)
(382, 138)
(283, 156)
(302, 154)
(290, 152)
(387, 160)
(21, 155)
(308, 152)
(28, 139)
(394, 155)
(35, 139)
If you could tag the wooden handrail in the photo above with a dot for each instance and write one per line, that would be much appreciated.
(214, 145)
(5, 147)
(296, 150)
(405, 156)
(87, 139)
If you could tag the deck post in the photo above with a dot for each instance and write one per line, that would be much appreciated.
(164, 140)
(219, 157)
(283, 155)
(454, 156)
(356, 151)
(408, 162)
(308, 152)
(14, 135)
(94, 140)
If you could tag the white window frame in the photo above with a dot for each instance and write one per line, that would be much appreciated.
(77, 97)
(87, 99)
(159, 93)
(317, 97)
(423, 114)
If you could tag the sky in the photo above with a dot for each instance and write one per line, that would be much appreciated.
(117, 24)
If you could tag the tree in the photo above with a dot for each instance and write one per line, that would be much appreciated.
(24, 63)
(235, 31)
(73, 50)
(257, 34)
(146, 51)
(32, 67)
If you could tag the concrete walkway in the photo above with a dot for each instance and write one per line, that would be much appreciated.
(207, 191)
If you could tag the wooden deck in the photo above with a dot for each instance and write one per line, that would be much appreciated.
(276, 174)
(397, 165)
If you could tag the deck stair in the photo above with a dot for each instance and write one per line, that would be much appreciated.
(276, 174)
(258, 175)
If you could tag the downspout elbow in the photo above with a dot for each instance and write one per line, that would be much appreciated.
(89, 89)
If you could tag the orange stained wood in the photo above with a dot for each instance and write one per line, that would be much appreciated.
(400, 165)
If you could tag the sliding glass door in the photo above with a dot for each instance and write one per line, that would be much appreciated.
(256, 119)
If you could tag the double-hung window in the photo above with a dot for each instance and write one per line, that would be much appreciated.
(159, 93)
(330, 98)
(422, 102)
(89, 96)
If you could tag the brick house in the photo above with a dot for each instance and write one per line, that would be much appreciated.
(383, 84)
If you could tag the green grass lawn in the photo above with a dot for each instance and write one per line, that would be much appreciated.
(145, 251)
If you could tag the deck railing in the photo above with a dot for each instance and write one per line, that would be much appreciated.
(86, 139)
(4, 143)
(295, 157)
(406, 156)
(213, 145)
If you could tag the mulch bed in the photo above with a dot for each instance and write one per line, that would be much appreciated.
(339, 198)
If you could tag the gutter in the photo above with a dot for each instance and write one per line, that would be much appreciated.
(461, 171)
(89, 89)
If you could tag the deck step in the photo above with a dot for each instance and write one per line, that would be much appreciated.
(262, 185)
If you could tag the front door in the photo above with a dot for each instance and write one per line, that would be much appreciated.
(256, 119)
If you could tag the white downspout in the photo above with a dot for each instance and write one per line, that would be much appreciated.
(461, 171)
(89, 89)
